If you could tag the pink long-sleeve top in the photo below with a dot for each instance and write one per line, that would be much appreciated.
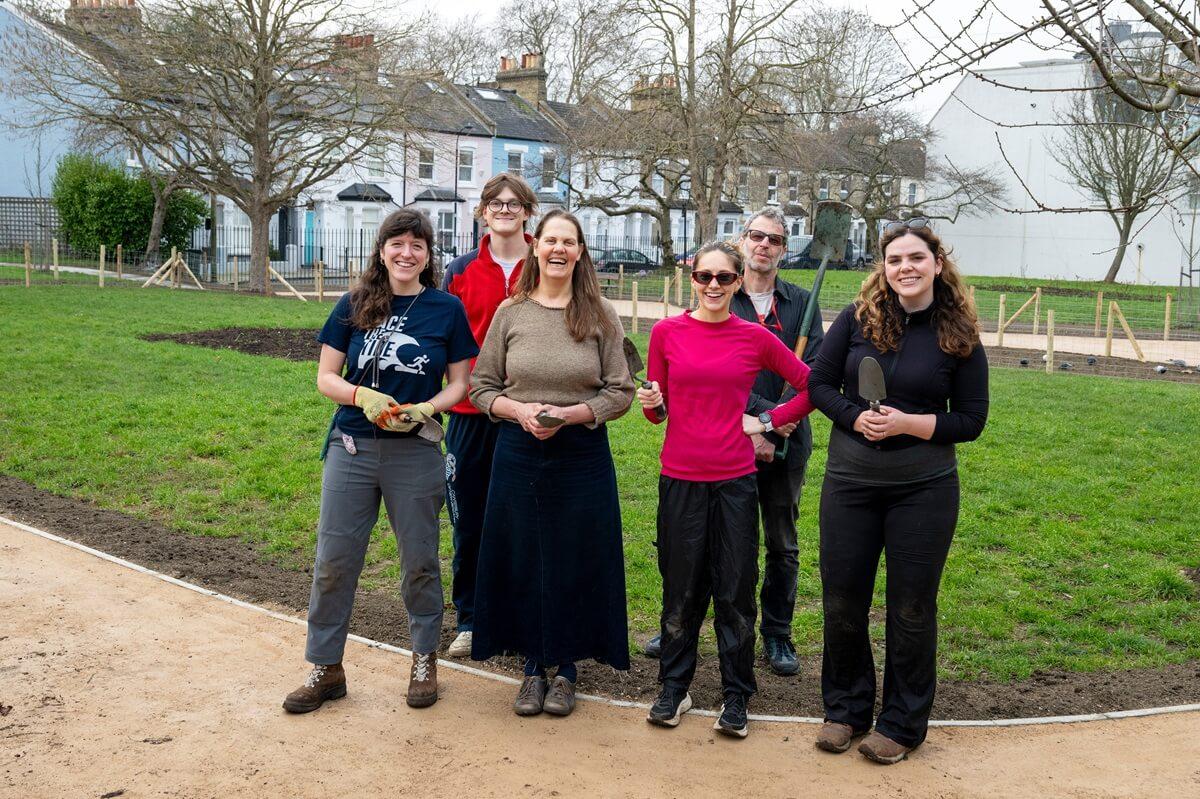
(705, 371)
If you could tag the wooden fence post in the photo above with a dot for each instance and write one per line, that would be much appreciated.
(971, 291)
(633, 308)
(350, 267)
(1167, 321)
(1000, 324)
(237, 268)
(666, 297)
(54, 255)
(1128, 332)
(1037, 307)
(620, 281)
(320, 268)
(679, 286)
(120, 256)
(1049, 340)
(103, 258)
(1099, 305)
(1109, 330)
(691, 294)
(28, 266)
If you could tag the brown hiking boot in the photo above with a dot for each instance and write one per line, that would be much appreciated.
(561, 699)
(835, 737)
(531, 697)
(882, 749)
(422, 682)
(323, 682)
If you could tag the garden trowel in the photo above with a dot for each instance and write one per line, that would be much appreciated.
(633, 359)
(870, 382)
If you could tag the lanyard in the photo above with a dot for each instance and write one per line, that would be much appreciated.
(762, 319)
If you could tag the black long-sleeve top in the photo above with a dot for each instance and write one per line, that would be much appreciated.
(919, 377)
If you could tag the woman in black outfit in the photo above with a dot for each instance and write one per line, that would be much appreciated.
(891, 483)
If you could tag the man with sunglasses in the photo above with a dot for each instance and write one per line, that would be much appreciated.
(482, 279)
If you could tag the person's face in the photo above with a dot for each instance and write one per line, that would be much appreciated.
(763, 244)
(405, 257)
(712, 295)
(910, 267)
(502, 219)
(558, 249)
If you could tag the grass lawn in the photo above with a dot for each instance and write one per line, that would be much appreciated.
(1079, 515)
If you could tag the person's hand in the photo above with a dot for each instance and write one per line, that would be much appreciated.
(527, 413)
(763, 450)
(420, 412)
(877, 426)
(751, 426)
(380, 409)
(786, 430)
(650, 397)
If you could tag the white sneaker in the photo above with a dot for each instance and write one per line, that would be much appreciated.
(461, 646)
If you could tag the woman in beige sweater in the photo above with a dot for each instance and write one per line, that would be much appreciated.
(551, 577)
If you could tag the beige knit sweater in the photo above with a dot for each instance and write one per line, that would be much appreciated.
(529, 356)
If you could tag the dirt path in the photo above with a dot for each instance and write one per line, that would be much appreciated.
(118, 681)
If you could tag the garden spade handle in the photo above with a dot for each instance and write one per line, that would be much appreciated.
(810, 310)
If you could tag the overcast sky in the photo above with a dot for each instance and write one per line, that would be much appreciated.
(887, 12)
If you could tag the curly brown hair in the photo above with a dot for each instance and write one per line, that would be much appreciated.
(585, 312)
(880, 315)
(371, 299)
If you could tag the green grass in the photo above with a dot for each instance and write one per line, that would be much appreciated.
(1079, 509)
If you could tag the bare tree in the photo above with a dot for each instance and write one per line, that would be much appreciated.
(254, 100)
(1119, 161)
(461, 50)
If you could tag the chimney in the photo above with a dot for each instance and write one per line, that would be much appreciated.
(104, 16)
(650, 94)
(528, 80)
(361, 55)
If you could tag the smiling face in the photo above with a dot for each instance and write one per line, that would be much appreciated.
(503, 220)
(713, 297)
(405, 257)
(910, 267)
(763, 255)
(557, 249)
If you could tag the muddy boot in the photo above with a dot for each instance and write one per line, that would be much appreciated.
(323, 682)
(422, 682)
(882, 749)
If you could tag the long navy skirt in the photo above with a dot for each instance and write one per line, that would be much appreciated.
(551, 578)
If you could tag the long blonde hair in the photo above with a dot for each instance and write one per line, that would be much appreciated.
(878, 310)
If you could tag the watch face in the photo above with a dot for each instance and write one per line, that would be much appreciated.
(764, 417)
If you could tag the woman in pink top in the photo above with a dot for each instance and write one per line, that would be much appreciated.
(702, 366)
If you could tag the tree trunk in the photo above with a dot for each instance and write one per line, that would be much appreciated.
(668, 241)
(1123, 229)
(260, 249)
(154, 240)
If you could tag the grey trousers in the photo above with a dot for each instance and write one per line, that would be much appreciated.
(408, 475)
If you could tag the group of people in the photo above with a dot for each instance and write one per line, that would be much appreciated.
(524, 354)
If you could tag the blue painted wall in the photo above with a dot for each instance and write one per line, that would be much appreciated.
(532, 167)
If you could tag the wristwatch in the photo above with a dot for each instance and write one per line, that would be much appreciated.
(765, 418)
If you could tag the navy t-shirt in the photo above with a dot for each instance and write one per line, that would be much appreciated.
(413, 346)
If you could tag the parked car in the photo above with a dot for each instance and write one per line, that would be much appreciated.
(635, 263)
(853, 258)
(686, 258)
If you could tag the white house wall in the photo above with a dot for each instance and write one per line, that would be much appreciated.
(972, 126)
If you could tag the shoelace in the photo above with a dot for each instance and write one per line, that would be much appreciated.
(421, 664)
(527, 689)
(315, 676)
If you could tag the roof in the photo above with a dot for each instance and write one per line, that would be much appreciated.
(511, 116)
(438, 195)
(364, 192)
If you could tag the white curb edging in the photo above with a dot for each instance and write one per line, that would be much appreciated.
(1117, 714)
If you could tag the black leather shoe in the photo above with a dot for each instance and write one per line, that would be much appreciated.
(781, 656)
(653, 648)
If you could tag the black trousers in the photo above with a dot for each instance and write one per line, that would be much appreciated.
(778, 496)
(914, 525)
(708, 550)
(470, 447)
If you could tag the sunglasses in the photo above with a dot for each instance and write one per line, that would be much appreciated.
(513, 206)
(704, 277)
(757, 236)
(916, 223)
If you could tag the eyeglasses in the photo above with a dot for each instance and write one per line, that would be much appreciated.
(704, 277)
(916, 223)
(496, 206)
(757, 236)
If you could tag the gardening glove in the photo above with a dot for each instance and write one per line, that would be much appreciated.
(422, 413)
(380, 409)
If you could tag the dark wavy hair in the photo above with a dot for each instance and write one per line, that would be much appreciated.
(585, 311)
(879, 312)
(371, 299)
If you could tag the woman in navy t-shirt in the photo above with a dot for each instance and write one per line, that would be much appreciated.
(386, 349)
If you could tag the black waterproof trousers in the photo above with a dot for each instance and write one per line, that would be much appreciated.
(778, 497)
(914, 525)
(708, 549)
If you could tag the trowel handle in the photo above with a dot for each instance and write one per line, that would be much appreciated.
(874, 405)
(660, 412)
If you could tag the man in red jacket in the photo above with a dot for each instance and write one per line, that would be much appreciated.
(482, 279)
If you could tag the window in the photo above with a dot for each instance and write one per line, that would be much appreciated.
(466, 165)
(797, 228)
(370, 218)
(845, 188)
(728, 228)
(823, 194)
(912, 194)
(743, 185)
(793, 187)
(549, 170)
(446, 229)
(425, 163)
(375, 161)
(514, 162)
(772, 188)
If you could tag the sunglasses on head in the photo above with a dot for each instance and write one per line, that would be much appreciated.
(704, 277)
(916, 223)
(757, 236)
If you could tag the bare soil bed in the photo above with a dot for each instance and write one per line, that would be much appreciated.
(237, 568)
